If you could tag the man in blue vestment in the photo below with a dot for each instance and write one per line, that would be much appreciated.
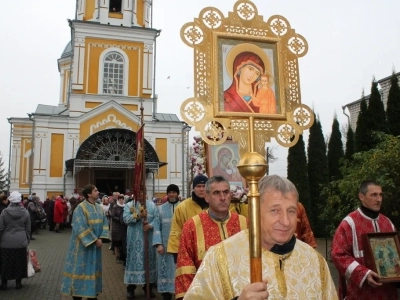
(134, 217)
(83, 268)
(165, 262)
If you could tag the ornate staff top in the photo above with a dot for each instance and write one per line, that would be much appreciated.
(247, 87)
(246, 78)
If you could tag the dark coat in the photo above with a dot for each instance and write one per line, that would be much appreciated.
(48, 206)
(118, 226)
(2, 206)
(15, 227)
(32, 211)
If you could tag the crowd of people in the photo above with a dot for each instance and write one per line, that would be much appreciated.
(198, 248)
(172, 236)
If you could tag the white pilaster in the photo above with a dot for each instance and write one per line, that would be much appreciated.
(78, 64)
(148, 69)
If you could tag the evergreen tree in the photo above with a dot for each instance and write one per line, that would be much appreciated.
(393, 107)
(335, 152)
(297, 173)
(317, 174)
(349, 144)
(362, 135)
(3, 175)
(376, 114)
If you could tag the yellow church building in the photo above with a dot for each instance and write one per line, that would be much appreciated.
(106, 78)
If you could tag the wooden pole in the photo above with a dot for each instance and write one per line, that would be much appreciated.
(252, 167)
(255, 222)
(145, 233)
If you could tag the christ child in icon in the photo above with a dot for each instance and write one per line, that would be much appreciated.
(265, 98)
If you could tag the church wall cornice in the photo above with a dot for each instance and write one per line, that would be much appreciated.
(134, 34)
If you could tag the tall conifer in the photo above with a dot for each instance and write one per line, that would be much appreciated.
(393, 106)
(376, 120)
(362, 135)
(335, 151)
(349, 144)
(297, 173)
(317, 174)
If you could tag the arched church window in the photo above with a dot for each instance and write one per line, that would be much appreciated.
(113, 76)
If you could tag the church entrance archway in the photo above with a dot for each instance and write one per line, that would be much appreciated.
(109, 181)
(107, 159)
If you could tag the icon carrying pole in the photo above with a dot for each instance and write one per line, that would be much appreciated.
(145, 233)
(252, 167)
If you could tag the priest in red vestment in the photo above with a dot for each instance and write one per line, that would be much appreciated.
(205, 230)
(303, 229)
(356, 280)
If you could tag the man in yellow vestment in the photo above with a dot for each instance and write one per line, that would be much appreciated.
(186, 210)
(291, 269)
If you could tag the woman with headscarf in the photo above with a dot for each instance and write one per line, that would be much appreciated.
(105, 205)
(247, 69)
(118, 227)
(15, 228)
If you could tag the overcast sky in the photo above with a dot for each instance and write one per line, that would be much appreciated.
(349, 43)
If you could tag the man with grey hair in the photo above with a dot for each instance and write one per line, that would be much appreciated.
(291, 269)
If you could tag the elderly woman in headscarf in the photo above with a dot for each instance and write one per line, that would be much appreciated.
(118, 232)
(15, 229)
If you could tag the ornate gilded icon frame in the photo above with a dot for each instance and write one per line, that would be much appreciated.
(203, 110)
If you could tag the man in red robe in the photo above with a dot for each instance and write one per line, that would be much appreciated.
(205, 230)
(303, 229)
(356, 280)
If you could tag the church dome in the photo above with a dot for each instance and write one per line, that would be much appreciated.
(67, 50)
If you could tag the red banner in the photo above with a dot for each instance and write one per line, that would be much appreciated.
(138, 183)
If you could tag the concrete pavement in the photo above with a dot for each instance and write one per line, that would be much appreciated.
(51, 250)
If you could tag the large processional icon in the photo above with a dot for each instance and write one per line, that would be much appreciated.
(247, 88)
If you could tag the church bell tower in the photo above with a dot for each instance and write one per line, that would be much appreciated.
(110, 56)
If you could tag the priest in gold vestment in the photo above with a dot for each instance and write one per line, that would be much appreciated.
(291, 269)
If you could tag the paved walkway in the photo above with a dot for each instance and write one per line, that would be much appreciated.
(51, 251)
